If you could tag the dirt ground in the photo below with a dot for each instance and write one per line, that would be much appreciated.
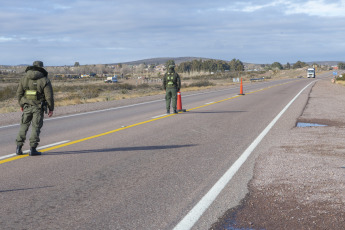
(300, 184)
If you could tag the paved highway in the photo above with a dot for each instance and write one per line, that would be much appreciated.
(134, 167)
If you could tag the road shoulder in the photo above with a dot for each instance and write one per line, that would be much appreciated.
(300, 183)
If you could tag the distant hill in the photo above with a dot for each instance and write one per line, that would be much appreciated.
(329, 63)
(179, 60)
(162, 60)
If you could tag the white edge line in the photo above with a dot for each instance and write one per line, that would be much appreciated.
(193, 216)
(2, 127)
(7, 156)
(42, 147)
(160, 116)
(103, 110)
(91, 112)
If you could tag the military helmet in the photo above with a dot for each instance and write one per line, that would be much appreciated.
(38, 63)
(171, 68)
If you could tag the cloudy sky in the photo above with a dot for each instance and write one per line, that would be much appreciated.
(61, 32)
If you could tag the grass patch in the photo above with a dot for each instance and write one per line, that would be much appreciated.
(8, 92)
(203, 83)
(340, 80)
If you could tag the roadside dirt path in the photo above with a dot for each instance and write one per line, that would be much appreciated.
(300, 184)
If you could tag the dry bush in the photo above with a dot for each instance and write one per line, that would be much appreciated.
(8, 92)
(203, 83)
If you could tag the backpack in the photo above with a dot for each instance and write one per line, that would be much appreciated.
(171, 80)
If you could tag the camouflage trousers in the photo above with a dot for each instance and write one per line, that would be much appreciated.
(171, 94)
(31, 115)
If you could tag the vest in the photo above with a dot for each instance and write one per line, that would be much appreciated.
(31, 93)
(171, 80)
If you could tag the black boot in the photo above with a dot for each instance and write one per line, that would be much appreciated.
(175, 111)
(34, 152)
(168, 111)
(19, 150)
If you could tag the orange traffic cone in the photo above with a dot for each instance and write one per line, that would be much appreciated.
(241, 88)
(179, 103)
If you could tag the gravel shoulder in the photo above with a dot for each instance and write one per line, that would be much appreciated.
(300, 182)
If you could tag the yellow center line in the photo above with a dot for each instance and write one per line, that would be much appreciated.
(13, 158)
(84, 139)
(130, 126)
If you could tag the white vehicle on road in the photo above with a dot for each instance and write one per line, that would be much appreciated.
(311, 73)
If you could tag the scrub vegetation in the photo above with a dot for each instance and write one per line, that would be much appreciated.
(86, 84)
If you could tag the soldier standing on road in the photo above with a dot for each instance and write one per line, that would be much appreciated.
(35, 94)
(171, 85)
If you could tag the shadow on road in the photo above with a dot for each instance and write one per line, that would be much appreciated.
(24, 189)
(121, 149)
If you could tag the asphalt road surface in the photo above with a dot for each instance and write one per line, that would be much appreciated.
(134, 167)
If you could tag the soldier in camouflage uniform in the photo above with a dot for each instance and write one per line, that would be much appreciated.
(35, 94)
(171, 85)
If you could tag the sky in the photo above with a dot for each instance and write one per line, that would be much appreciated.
(62, 32)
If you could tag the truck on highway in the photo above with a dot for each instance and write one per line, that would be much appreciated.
(111, 79)
(311, 73)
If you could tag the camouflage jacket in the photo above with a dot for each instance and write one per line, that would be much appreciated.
(172, 80)
(36, 79)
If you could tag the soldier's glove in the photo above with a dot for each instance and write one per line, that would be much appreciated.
(50, 113)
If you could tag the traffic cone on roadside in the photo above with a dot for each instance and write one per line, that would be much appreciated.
(241, 88)
(179, 103)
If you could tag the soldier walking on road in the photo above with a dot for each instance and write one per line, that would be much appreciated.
(171, 85)
(35, 94)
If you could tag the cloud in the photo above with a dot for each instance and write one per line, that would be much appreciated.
(249, 7)
(320, 8)
(5, 39)
(61, 7)
(107, 31)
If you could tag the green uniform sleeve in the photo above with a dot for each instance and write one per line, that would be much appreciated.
(164, 81)
(49, 95)
(178, 83)
(20, 92)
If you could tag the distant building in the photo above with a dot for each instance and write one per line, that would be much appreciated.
(160, 68)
